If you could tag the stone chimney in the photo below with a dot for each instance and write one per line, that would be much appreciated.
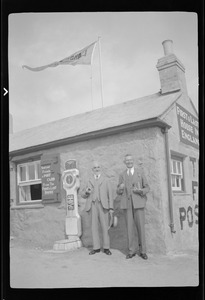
(171, 70)
(10, 123)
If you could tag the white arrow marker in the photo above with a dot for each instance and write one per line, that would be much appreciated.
(6, 92)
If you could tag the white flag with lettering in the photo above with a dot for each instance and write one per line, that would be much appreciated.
(82, 57)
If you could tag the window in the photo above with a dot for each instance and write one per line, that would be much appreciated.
(177, 174)
(29, 182)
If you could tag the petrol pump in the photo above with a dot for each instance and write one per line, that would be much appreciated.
(73, 230)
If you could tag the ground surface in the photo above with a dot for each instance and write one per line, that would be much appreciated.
(38, 268)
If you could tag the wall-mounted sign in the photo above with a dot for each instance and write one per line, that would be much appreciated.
(188, 127)
(49, 180)
(50, 177)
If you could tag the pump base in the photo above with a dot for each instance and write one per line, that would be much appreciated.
(72, 243)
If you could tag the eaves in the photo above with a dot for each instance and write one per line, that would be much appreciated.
(154, 122)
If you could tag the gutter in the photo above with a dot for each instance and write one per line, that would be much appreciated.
(165, 131)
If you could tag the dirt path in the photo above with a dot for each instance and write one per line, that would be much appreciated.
(35, 268)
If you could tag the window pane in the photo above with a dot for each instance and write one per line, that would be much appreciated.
(25, 194)
(22, 173)
(178, 181)
(179, 167)
(38, 170)
(173, 181)
(31, 172)
(36, 193)
(174, 166)
(194, 169)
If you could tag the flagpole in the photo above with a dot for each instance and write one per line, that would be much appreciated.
(91, 74)
(100, 69)
(91, 78)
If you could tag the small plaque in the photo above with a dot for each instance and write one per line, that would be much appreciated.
(71, 164)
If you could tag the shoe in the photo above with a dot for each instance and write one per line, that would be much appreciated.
(107, 251)
(130, 255)
(94, 251)
(144, 256)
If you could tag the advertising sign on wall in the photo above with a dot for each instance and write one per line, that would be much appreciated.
(188, 127)
(49, 181)
(50, 177)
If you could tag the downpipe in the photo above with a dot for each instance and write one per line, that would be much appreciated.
(171, 225)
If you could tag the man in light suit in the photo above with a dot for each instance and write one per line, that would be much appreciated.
(133, 188)
(100, 201)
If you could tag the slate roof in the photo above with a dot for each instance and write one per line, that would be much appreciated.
(133, 111)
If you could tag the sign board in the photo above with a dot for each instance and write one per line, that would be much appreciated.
(50, 178)
(188, 127)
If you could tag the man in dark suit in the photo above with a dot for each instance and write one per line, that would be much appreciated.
(100, 201)
(133, 188)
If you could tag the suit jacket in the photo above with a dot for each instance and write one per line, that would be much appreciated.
(105, 193)
(138, 179)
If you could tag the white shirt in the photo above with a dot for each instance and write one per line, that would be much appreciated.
(97, 176)
(131, 170)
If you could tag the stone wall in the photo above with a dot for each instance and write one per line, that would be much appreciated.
(43, 226)
(39, 227)
(186, 235)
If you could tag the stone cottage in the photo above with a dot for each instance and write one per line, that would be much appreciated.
(159, 130)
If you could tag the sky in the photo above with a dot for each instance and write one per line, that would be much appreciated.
(130, 46)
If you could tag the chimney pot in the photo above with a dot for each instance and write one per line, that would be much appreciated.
(168, 47)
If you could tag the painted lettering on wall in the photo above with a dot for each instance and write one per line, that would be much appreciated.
(188, 127)
(189, 215)
(195, 190)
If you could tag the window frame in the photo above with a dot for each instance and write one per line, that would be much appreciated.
(177, 174)
(28, 182)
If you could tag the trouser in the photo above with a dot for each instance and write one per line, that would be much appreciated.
(99, 215)
(135, 217)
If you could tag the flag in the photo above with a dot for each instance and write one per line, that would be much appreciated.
(82, 57)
